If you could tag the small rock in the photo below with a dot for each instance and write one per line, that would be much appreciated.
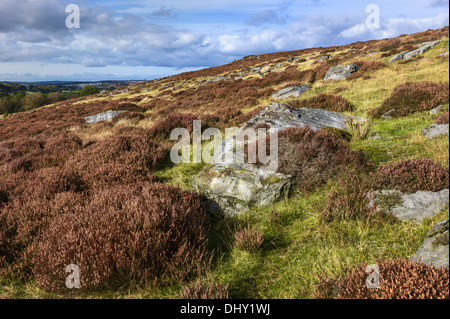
(340, 72)
(292, 91)
(415, 207)
(435, 130)
(323, 58)
(387, 115)
(105, 116)
(279, 65)
(436, 110)
(435, 249)
(444, 54)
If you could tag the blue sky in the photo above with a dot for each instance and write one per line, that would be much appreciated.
(142, 39)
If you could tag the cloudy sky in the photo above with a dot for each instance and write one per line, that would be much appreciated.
(146, 39)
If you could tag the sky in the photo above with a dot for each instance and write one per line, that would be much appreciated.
(148, 39)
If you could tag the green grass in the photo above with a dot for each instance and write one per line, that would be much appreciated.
(298, 248)
(401, 137)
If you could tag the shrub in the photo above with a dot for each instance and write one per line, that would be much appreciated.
(205, 289)
(399, 279)
(411, 97)
(412, 175)
(30, 154)
(133, 234)
(34, 100)
(365, 67)
(135, 150)
(443, 119)
(349, 199)
(4, 194)
(88, 90)
(312, 157)
(162, 129)
(248, 238)
(115, 174)
(132, 116)
(22, 221)
(390, 45)
(328, 102)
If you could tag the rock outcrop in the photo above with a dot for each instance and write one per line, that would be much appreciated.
(423, 47)
(235, 187)
(105, 116)
(414, 207)
(435, 249)
(340, 72)
(292, 91)
(435, 130)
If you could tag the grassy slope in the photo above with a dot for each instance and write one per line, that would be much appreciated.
(297, 248)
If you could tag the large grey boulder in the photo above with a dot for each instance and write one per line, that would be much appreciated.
(340, 72)
(435, 130)
(235, 186)
(105, 116)
(414, 207)
(279, 116)
(292, 91)
(423, 47)
(435, 249)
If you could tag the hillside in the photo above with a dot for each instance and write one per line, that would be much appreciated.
(108, 194)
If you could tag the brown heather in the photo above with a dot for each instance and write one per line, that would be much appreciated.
(45, 176)
(133, 234)
(162, 129)
(135, 150)
(130, 116)
(328, 102)
(391, 45)
(399, 279)
(29, 154)
(248, 238)
(364, 68)
(348, 199)
(443, 119)
(412, 175)
(205, 289)
(411, 97)
(312, 157)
